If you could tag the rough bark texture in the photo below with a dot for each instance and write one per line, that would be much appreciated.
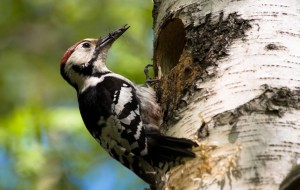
(229, 77)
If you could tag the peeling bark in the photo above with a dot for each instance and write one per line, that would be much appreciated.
(229, 77)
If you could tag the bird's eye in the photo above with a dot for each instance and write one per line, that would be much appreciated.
(86, 45)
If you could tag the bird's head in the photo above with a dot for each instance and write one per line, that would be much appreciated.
(87, 58)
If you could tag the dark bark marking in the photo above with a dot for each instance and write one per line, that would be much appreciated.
(210, 41)
(271, 47)
(272, 102)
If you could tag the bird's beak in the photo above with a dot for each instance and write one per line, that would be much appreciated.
(103, 44)
(111, 37)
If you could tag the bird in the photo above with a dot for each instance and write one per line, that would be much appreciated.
(122, 116)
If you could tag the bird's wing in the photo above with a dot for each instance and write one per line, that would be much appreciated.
(128, 129)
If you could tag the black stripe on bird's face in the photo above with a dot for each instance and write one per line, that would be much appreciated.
(83, 69)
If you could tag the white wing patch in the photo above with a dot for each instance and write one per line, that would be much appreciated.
(111, 136)
(138, 131)
(115, 96)
(129, 118)
(126, 96)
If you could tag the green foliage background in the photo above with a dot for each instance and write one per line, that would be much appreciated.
(43, 142)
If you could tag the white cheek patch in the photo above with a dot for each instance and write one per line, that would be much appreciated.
(80, 56)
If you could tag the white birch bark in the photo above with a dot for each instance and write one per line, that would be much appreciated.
(243, 104)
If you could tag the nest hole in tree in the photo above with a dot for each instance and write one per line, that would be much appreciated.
(170, 44)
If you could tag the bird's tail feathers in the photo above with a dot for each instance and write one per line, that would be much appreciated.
(170, 148)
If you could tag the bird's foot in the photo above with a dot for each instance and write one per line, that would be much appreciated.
(149, 80)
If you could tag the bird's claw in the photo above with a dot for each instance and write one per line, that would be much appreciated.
(149, 80)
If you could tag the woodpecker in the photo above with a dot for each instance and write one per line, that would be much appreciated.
(123, 117)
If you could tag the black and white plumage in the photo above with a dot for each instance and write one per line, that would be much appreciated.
(123, 117)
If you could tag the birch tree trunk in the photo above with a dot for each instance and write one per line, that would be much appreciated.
(230, 78)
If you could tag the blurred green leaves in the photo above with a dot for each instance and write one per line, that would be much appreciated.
(35, 34)
(43, 142)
